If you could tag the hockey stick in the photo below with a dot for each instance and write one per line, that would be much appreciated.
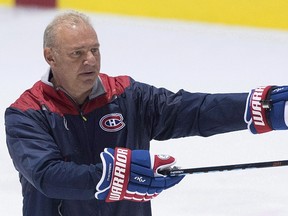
(176, 171)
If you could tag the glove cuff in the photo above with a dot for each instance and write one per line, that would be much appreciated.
(120, 175)
(258, 105)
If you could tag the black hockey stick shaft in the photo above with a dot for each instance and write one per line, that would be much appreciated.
(175, 171)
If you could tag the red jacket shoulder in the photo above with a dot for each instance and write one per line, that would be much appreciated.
(115, 85)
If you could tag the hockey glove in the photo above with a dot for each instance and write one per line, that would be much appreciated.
(133, 175)
(266, 109)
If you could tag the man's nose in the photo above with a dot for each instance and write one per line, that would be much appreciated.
(90, 59)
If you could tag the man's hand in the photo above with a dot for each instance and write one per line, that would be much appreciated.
(133, 175)
(266, 109)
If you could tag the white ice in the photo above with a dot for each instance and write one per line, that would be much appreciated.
(172, 54)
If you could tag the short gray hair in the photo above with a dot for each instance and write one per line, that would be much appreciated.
(68, 18)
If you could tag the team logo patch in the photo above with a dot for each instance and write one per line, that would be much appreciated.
(112, 122)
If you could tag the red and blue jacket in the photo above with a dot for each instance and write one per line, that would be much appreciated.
(55, 144)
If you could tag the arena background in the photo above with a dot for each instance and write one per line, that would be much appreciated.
(246, 48)
(256, 13)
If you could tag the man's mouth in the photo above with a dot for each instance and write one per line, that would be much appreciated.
(87, 73)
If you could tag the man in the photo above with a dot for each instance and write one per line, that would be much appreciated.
(80, 138)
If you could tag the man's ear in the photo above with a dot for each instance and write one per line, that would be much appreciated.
(49, 57)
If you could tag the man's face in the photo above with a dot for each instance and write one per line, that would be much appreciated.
(75, 60)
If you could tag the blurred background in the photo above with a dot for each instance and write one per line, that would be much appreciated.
(197, 45)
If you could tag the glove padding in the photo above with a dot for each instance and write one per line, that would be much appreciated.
(133, 175)
(266, 109)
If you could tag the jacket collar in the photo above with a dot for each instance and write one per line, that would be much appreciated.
(97, 90)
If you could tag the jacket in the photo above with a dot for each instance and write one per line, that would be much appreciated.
(55, 144)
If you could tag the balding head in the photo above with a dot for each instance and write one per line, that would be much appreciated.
(68, 20)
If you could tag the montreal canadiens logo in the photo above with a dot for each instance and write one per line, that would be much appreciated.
(112, 122)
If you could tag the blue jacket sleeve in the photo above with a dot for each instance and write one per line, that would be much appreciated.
(181, 114)
(38, 159)
(199, 114)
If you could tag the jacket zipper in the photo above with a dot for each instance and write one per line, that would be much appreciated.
(80, 110)
(82, 116)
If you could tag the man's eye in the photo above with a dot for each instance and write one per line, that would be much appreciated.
(76, 53)
(95, 51)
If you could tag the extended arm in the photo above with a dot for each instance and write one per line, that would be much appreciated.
(181, 114)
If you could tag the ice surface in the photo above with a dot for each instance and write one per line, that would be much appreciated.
(166, 53)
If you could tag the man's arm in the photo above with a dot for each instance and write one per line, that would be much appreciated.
(37, 157)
